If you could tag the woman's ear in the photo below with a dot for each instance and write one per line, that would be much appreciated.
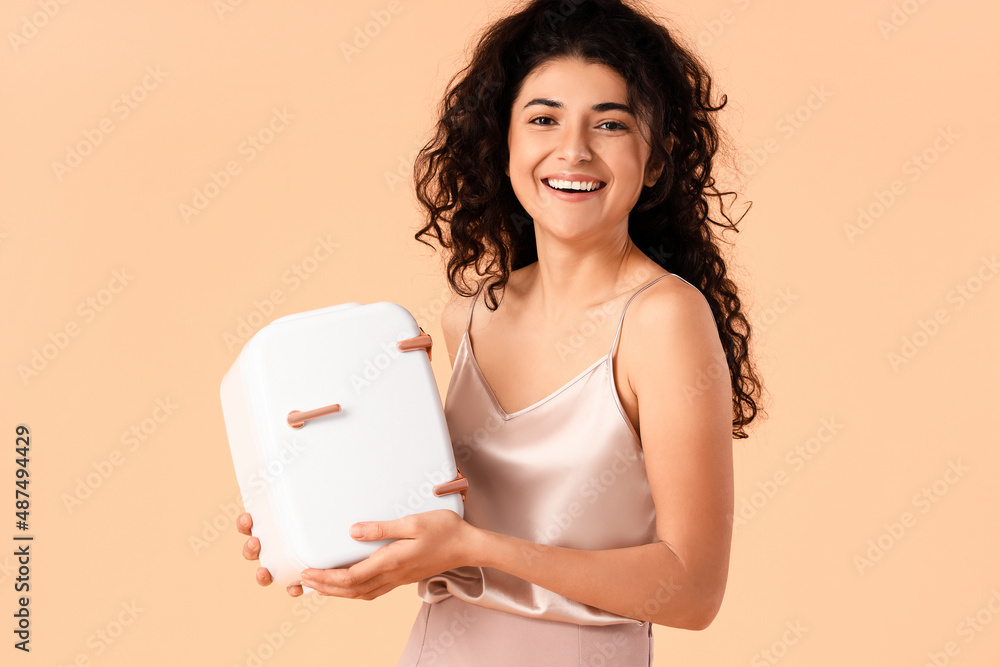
(653, 171)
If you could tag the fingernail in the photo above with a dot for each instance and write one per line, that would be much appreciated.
(357, 530)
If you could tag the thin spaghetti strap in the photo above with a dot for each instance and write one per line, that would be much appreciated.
(472, 304)
(621, 319)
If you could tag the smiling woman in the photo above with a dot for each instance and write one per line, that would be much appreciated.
(547, 135)
(598, 386)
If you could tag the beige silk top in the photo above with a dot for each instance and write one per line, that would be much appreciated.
(566, 471)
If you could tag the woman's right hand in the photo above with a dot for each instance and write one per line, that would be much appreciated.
(251, 551)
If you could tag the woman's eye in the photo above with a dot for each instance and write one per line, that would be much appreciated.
(617, 125)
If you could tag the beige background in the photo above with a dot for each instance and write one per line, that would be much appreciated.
(833, 300)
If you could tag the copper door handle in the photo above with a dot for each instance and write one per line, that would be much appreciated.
(460, 483)
(298, 419)
(422, 341)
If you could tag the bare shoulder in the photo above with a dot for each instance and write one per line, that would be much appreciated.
(672, 321)
(669, 301)
(453, 318)
(455, 314)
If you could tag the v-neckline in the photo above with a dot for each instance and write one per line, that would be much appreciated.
(467, 339)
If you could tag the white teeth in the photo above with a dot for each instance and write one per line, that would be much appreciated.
(574, 185)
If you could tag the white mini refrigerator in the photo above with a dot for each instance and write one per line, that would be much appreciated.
(333, 417)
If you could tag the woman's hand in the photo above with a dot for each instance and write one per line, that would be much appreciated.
(429, 543)
(251, 551)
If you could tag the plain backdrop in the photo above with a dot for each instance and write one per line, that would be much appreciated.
(144, 235)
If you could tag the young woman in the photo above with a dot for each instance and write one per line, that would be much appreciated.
(572, 165)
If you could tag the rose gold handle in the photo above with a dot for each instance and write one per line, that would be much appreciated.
(423, 341)
(460, 483)
(298, 419)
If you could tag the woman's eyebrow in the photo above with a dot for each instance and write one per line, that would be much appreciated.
(599, 108)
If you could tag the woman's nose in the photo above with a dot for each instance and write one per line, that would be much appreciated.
(574, 142)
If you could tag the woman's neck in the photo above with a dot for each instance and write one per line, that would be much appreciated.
(561, 284)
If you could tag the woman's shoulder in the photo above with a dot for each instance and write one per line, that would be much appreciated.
(672, 313)
(454, 315)
(667, 308)
(669, 296)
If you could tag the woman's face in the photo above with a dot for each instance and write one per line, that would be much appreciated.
(570, 122)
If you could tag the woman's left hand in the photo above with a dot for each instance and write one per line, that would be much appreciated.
(429, 543)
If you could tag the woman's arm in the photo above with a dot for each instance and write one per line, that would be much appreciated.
(648, 582)
(678, 370)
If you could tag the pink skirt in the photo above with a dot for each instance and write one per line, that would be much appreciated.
(455, 633)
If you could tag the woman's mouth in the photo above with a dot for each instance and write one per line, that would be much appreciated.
(573, 187)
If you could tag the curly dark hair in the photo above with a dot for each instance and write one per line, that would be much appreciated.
(460, 174)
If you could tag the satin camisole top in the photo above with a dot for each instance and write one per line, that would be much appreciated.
(566, 471)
